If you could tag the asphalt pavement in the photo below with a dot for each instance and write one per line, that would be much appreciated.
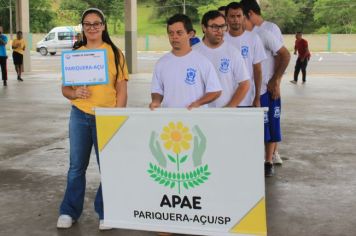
(313, 192)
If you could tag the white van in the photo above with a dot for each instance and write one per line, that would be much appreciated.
(58, 39)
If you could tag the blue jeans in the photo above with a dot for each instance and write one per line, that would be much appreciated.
(82, 137)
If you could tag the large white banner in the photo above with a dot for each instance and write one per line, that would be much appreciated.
(191, 172)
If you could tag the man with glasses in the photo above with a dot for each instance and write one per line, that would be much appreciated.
(182, 77)
(228, 63)
(251, 49)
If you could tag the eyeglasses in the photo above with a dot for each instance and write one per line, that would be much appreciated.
(95, 25)
(216, 28)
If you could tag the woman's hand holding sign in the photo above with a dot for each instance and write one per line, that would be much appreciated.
(81, 92)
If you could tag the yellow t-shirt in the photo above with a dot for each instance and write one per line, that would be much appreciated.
(103, 95)
(19, 45)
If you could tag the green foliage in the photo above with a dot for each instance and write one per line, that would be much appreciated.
(282, 12)
(336, 15)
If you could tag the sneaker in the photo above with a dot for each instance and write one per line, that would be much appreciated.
(293, 82)
(269, 169)
(5, 83)
(19, 79)
(65, 222)
(276, 158)
(102, 226)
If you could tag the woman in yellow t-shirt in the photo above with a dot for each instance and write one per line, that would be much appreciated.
(82, 126)
(18, 46)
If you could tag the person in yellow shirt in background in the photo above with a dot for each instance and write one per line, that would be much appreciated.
(18, 46)
(82, 125)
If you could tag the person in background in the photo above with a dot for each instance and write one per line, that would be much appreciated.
(78, 41)
(301, 46)
(222, 9)
(277, 61)
(194, 39)
(227, 60)
(82, 125)
(3, 56)
(18, 46)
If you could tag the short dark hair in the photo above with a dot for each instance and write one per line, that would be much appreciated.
(19, 32)
(299, 32)
(210, 15)
(222, 8)
(250, 5)
(187, 22)
(232, 5)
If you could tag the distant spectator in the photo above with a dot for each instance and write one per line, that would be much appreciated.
(78, 41)
(194, 39)
(222, 10)
(301, 46)
(3, 56)
(18, 47)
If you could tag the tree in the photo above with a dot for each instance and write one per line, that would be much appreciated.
(167, 8)
(41, 16)
(336, 16)
(70, 11)
(282, 12)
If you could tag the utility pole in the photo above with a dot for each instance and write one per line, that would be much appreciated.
(10, 9)
(184, 11)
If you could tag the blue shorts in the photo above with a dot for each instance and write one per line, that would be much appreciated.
(272, 118)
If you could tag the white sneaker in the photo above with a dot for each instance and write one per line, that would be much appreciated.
(102, 226)
(277, 159)
(64, 222)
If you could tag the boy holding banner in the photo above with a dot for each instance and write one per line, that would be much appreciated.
(183, 78)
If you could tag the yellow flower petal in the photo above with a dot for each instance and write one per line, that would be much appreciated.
(168, 145)
(187, 137)
(166, 129)
(171, 126)
(185, 145)
(176, 148)
(185, 130)
(165, 136)
(180, 125)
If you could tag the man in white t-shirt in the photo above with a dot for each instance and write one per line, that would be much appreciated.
(228, 62)
(251, 49)
(272, 70)
(182, 77)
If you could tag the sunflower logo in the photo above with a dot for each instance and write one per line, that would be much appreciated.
(176, 137)
(177, 140)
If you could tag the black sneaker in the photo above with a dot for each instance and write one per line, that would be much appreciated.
(5, 83)
(269, 169)
(19, 79)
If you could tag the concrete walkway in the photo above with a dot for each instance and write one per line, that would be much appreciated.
(312, 194)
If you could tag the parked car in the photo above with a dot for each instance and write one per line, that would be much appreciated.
(58, 39)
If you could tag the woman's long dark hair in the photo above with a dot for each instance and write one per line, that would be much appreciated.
(105, 38)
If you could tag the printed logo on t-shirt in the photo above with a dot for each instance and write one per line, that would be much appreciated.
(244, 51)
(224, 66)
(190, 79)
(277, 112)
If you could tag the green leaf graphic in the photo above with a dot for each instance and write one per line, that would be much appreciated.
(169, 179)
(172, 159)
(183, 159)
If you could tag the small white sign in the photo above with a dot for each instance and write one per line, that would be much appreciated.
(84, 67)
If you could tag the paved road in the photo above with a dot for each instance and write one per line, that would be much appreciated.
(312, 194)
(341, 64)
